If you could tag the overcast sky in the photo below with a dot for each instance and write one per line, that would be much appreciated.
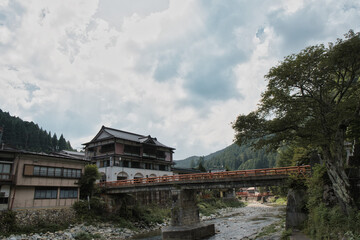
(178, 70)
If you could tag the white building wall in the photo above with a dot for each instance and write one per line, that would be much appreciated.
(112, 172)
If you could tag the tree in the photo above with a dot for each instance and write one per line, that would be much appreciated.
(55, 143)
(62, 143)
(87, 181)
(201, 164)
(312, 101)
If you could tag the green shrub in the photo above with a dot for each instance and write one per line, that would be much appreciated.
(87, 236)
(285, 235)
(210, 206)
(324, 221)
(97, 208)
(7, 222)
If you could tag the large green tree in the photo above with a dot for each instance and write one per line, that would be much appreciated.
(312, 100)
(87, 181)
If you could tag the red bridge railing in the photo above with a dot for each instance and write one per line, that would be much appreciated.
(299, 170)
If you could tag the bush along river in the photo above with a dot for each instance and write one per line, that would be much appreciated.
(250, 222)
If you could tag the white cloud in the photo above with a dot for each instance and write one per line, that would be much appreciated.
(178, 70)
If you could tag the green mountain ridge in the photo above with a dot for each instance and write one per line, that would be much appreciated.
(25, 135)
(233, 157)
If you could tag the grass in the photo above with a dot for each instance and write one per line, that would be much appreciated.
(272, 228)
(87, 236)
(210, 206)
(278, 201)
(278, 226)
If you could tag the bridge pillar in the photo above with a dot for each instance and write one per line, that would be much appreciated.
(184, 210)
(185, 221)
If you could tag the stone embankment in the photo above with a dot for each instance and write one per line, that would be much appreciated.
(100, 231)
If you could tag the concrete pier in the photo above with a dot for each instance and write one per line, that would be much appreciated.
(185, 222)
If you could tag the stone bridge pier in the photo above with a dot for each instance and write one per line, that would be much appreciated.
(185, 221)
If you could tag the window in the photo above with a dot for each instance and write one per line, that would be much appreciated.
(122, 176)
(43, 171)
(73, 173)
(148, 165)
(5, 171)
(125, 164)
(45, 193)
(58, 172)
(66, 172)
(5, 168)
(149, 152)
(104, 163)
(107, 148)
(135, 164)
(4, 200)
(51, 171)
(68, 192)
(160, 155)
(37, 171)
(132, 150)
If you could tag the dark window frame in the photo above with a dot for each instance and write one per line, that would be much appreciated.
(57, 172)
(69, 193)
(45, 193)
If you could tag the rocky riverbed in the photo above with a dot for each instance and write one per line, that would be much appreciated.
(230, 223)
(99, 231)
(248, 222)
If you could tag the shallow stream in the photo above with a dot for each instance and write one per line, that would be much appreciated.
(238, 223)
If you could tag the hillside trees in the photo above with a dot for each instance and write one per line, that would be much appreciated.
(312, 101)
(29, 136)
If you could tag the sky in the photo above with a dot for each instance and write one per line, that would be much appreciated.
(178, 70)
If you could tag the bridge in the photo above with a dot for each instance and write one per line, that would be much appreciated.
(185, 221)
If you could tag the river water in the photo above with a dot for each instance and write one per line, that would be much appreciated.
(240, 223)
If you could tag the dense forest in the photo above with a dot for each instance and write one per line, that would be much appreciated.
(29, 136)
(233, 157)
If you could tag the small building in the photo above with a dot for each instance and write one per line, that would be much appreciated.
(122, 155)
(38, 180)
(180, 171)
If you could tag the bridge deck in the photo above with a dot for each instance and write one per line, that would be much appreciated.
(242, 178)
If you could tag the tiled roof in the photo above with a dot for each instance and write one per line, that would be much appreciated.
(128, 136)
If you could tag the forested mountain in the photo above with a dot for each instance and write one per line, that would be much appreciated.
(29, 136)
(232, 157)
(193, 161)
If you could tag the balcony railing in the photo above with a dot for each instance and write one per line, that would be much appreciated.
(6, 177)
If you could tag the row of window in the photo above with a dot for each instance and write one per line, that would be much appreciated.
(51, 193)
(43, 171)
(132, 164)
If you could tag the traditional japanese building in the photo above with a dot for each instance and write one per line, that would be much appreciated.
(122, 155)
(38, 180)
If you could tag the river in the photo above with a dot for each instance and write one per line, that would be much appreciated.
(240, 223)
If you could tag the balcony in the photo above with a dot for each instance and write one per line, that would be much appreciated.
(6, 178)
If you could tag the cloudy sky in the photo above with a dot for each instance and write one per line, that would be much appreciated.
(178, 70)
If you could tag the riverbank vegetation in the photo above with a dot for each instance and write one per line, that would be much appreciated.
(210, 206)
(129, 215)
(209, 201)
(326, 219)
(9, 226)
(309, 113)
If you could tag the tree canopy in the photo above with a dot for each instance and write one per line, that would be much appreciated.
(312, 100)
(87, 181)
(29, 136)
